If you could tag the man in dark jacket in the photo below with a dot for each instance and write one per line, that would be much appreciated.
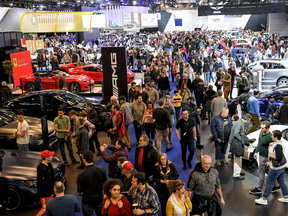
(199, 95)
(194, 111)
(54, 63)
(237, 140)
(164, 85)
(81, 140)
(128, 171)
(5, 91)
(119, 150)
(45, 180)
(146, 156)
(243, 100)
(185, 80)
(220, 127)
(90, 185)
(74, 57)
(195, 82)
(209, 95)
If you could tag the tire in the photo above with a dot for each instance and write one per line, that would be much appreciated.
(282, 82)
(74, 87)
(12, 199)
(30, 87)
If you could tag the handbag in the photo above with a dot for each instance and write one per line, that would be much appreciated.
(219, 83)
(277, 113)
(276, 163)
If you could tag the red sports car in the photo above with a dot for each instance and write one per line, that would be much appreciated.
(51, 81)
(94, 71)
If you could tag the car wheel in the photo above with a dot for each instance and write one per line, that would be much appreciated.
(74, 87)
(282, 82)
(11, 198)
(30, 87)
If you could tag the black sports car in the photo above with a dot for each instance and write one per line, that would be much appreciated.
(18, 183)
(29, 103)
(8, 126)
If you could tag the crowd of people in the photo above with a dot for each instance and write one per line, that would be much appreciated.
(152, 184)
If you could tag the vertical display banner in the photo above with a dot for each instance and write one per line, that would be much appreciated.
(114, 72)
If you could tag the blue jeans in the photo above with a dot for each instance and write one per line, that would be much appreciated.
(220, 150)
(274, 175)
(211, 75)
(231, 89)
(271, 118)
(61, 142)
(206, 78)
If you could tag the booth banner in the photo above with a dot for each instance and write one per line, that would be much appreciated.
(21, 65)
(114, 72)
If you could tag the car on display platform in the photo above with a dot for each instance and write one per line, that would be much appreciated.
(243, 41)
(277, 94)
(18, 182)
(275, 72)
(94, 71)
(50, 80)
(249, 151)
(29, 103)
(8, 126)
(47, 51)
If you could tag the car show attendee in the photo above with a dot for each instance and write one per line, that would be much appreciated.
(209, 95)
(91, 193)
(132, 92)
(277, 163)
(143, 195)
(164, 172)
(128, 171)
(61, 204)
(37, 83)
(253, 110)
(22, 133)
(144, 94)
(227, 79)
(62, 127)
(153, 94)
(115, 203)
(261, 151)
(118, 150)
(1, 164)
(126, 109)
(238, 139)
(138, 113)
(221, 127)
(149, 122)
(283, 120)
(205, 200)
(6, 92)
(146, 156)
(179, 203)
(92, 116)
(118, 124)
(187, 130)
(217, 104)
(54, 63)
(271, 109)
(62, 81)
(81, 140)
(45, 180)
(163, 125)
(163, 85)
(243, 100)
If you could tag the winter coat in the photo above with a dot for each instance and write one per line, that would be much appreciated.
(126, 109)
(192, 111)
(112, 160)
(38, 85)
(217, 126)
(120, 123)
(208, 97)
(150, 158)
(199, 93)
(238, 138)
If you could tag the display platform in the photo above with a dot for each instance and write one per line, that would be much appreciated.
(96, 90)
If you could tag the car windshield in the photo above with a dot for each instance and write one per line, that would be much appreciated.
(6, 118)
(263, 94)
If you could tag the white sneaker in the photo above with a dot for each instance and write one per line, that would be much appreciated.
(261, 201)
(283, 200)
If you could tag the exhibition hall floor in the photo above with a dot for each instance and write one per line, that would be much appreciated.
(235, 192)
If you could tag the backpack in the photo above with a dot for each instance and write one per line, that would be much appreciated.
(241, 82)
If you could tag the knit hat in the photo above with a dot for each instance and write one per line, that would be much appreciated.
(127, 165)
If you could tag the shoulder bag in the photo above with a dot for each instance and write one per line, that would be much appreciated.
(277, 163)
(277, 113)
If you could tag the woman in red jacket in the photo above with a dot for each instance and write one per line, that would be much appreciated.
(118, 129)
(114, 203)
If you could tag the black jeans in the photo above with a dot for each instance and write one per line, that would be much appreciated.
(150, 131)
(138, 130)
(114, 138)
(94, 138)
(177, 109)
(191, 149)
(61, 142)
(88, 209)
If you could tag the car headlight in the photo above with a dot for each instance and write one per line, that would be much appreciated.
(36, 137)
(30, 183)
(84, 81)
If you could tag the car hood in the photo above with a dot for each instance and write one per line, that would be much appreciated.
(23, 164)
(28, 76)
(79, 77)
(34, 126)
(130, 73)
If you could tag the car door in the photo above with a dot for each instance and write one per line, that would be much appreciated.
(30, 105)
(269, 77)
(46, 80)
(52, 104)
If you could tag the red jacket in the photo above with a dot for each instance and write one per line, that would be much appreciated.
(120, 123)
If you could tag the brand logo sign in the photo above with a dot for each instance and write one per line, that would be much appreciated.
(114, 74)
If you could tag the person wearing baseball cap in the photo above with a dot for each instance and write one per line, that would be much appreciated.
(45, 179)
(128, 171)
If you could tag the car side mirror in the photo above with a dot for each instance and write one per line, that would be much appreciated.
(54, 77)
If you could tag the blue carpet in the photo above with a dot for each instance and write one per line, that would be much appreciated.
(174, 155)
